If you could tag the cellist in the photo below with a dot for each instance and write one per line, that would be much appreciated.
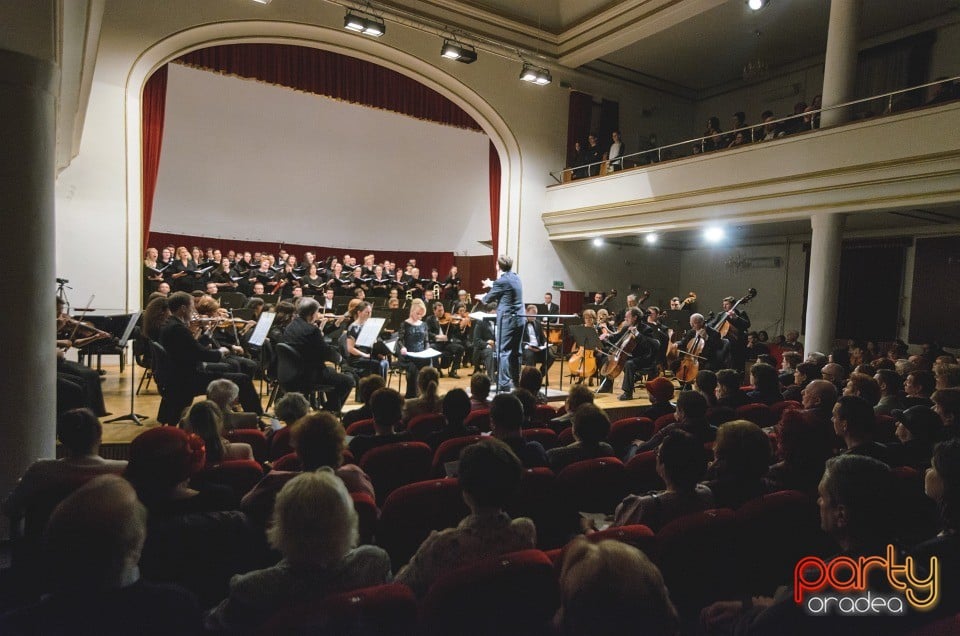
(642, 352)
(709, 336)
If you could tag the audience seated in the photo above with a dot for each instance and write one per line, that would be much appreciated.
(315, 528)
(742, 459)
(706, 385)
(804, 445)
(818, 397)
(590, 427)
(427, 400)
(319, 442)
(691, 417)
(729, 393)
(489, 476)
(660, 391)
(367, 386)
(766, 384)
(890, 385)
(834, 373)
(577, 395)
(93, 544)
(386, 406)
(864, 386)
(611, 587)
(79, 432)
(479, 392)
(805, 373)
(162, 460)
(918, 387)
(918, 428)
(455, 408)
(681, 463)
(531, 379)
(947, 374)
(225, 394)
(204, 420)
(855, 423)
(946, 404)
(506, 421)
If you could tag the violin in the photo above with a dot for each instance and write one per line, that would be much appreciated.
(87, 332)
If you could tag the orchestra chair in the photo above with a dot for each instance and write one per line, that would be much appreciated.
(593, 485)
(545, 436)
(268, 371)
(695, 566)
(449, 451)
(141, 357)
(642, 473)
(172, 402)
(637, 535)
(511, 594)
(280, 444)
(362, 427)
(387, 610)
(777, 408)
(292, 376)
(420, 426)
(410, 513)
(759, 414)
(367, 515)
(290, 462)
(394, 465)
(479, 418)
(627, 429)
(239, 475)
(254, 437)
(773, 533)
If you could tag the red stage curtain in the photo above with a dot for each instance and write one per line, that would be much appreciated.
(152, 108)
(494, 198)
(334, 75)
(578, 122)
(425, 260)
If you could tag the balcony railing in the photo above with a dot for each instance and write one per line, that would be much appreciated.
(857, 110)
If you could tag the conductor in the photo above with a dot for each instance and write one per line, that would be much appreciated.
(508, 293)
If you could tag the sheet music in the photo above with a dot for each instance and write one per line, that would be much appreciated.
(369, 332)
(429, 352)
(262, 329)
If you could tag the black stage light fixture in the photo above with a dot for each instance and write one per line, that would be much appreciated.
(453, 50)
(364, 23)
(535, 74)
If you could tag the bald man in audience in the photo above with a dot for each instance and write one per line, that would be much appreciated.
(93, 543)
(835, 373)
(818, 398)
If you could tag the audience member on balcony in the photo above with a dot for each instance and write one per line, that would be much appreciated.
(742, 459)
(93, 544)
(766, 384)
(805, 373)
(943, 91)
(811, 114)
(855, 423)
(729, 393)
(204, 420)
(578, 161)
(386, 406)
(319, 441)
(428, 399)
(681, 464)
(593, 154)
(737, 123)
(918, 387)
(162, 461)
(80, 433)
(611, 587)
(864, 386)
(691, 418)
(577, 395)
(713, 135)
(771, 130)
(455, 409)
(918, 429)
(804, 447)
(706, 385)
(590, 428)
(795, 123)
(506, 420)
(489, 476)
(946, 404)
(855, 511)
(479, 392)
(890, 384)
(660, 391)
(616, 151)
(315, 528)
(368, 385)
(942, 485)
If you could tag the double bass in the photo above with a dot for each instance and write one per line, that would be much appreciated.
(673, 347)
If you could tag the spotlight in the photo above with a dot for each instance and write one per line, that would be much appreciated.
(651, 238)
(453, 50)
(714, 234)
(535, 74)
(756, 5)
(364, 23)
(597, 242)
(262, 1)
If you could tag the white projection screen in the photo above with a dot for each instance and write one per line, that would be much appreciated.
(247, 160)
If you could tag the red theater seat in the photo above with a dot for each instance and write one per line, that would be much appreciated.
(389, 610)
(395, 465)
(593, 485)
(422, 425)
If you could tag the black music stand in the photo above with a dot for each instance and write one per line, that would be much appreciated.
(587, 339)
(133, 416)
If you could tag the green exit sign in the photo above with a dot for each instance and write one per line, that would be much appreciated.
(558, 284)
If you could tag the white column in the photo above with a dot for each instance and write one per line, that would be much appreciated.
(27, 322)
(824, 284)
(840, 67)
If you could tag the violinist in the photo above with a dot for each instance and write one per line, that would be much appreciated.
(362, 358)
(219, 331)
(78, 378)
(305, 337)
(734, 334)
(463, 330)
(439, 325)
(535, 347)
(698, 334)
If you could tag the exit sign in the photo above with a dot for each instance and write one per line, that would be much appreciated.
(558, 284)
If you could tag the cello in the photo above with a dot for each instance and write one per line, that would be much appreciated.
(622, 352)
(673, 347)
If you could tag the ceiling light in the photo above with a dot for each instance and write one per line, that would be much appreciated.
(714, 234)
(756, 5)
(262, 1)
(535, 74)
(651, 238)
(597, 242)
(453, 50)
(364, 23)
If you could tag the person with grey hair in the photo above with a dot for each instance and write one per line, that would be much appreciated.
(835, 373)
(507, 292)
(305, 336)
(315, 528)
(224, 393)
(93, 544)
(818, 397)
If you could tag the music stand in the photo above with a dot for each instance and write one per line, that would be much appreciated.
(133, 416)
(586, 338)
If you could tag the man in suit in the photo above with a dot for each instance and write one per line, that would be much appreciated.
(507, 291)
(550, 307)
(535, 347)
(710, 337)
(191, 376)
(305, 336)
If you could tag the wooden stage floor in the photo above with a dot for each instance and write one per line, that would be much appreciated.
(116, 392)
